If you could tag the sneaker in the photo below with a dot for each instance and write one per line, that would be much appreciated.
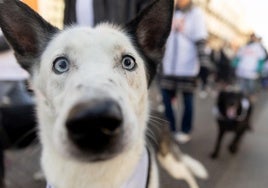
(39, 176)
(182, 138)
(203, 94)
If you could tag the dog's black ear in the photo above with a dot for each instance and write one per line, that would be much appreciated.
(150, 30)
(27, 33)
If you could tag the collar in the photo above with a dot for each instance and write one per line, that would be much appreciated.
(140, 176)
(245, 107)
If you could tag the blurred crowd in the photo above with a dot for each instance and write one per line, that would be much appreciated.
(191, 66)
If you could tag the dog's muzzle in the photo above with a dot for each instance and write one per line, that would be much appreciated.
(95, 127)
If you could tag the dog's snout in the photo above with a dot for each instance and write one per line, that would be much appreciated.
(232, 103)
(94, 125)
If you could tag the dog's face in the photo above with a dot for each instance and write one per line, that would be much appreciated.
(91, 84)
(97, 91)
(229, 104)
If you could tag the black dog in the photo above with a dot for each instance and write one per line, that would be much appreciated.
(17, 130)
(233, 114)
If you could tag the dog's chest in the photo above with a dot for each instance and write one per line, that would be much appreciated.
(139, 177)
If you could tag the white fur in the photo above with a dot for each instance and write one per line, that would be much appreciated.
(95, 57)
(195, 167)
(183, 169)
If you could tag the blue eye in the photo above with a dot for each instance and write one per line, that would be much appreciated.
(128, 62)
(61, 65)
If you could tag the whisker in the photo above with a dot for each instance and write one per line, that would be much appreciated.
(32, 131)
(151, 136)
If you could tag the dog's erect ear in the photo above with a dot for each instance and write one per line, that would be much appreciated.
(150, 30)
(25, 30)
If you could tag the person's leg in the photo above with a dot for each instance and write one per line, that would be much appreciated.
(167, 96)
(19, 94)
(240, 84)
(2, 167)
(187, 118)
(204, 82)
(2, 159)
(204, 78)
(244, 86)
(252, 90)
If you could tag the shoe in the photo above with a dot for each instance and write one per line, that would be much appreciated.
(182, 138)
(39, 176)
(203, 94)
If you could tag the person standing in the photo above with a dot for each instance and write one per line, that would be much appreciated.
(185, 52)
(249, 63)
(224, 74)
(92, 12)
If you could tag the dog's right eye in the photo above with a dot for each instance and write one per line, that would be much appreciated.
(128, 62)
(61, 65)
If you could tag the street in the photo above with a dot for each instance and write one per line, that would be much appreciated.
(247, 169)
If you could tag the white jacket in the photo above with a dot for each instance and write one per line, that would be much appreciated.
(10, 70)
(183, 61)
(249, 58)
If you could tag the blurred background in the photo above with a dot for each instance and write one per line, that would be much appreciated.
(227, 20)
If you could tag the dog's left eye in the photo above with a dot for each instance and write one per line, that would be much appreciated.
(128, 62)
(61, 65)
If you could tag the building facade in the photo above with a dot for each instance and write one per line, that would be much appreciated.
(50, 10)
(225, 21)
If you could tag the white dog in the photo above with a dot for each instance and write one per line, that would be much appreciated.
(92, 98)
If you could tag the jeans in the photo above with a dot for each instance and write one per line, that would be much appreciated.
(248, 86)
(16, 92)
(187, 117)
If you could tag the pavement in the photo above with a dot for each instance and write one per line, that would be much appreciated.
(247, 169)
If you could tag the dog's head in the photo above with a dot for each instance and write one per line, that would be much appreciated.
(229, 104)
(91, 83)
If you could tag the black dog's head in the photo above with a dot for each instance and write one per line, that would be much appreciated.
(230, 104)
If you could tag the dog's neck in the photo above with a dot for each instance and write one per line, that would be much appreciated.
(139, 177)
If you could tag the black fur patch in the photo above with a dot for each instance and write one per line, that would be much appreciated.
(150, 31)
(26, 31)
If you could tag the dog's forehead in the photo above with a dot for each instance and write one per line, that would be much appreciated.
(104, 36)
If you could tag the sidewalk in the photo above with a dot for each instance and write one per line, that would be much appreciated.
(21, 166)
(248, 168)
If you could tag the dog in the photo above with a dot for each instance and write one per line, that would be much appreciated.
(233, 112)
(91, 87)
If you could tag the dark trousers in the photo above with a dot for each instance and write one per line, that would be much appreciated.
(187, 117)
(204, 73)
(2, 166)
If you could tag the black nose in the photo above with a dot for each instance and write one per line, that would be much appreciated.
(231, 103)
(95, 125)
